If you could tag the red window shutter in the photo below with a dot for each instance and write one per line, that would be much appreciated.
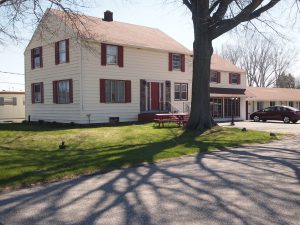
(42, 92)
(120, 56)
(32, 93)
(230, 81)
(239, 78)
(102, 91)
(127, 91)
(41, 56)
(170, 62)
(55, 96)
(182, 63)
(187, 92)
(71, 90)
(56, 53)
(32, 59)
(103, 54)
(67, 51)
(218, 77)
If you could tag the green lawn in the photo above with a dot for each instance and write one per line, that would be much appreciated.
(30, 154)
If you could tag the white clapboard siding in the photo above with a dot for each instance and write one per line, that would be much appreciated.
(50, 72)
(224, 83)
(139, 64)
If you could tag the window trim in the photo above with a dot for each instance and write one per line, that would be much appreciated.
(33, 65)
(120, 55)
(57, 52)
(55, 91)
(127, 91)
(218, 77)
(238, 78)
(182, 62)
(117, 55)
(179, 59)
(41, 84)
(180, 91)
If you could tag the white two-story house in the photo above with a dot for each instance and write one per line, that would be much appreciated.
(119, 71)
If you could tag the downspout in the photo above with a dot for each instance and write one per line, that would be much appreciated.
(81, 85)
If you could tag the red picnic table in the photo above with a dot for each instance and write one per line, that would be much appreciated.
(179, 118)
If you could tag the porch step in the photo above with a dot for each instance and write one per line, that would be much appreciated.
(148, 116)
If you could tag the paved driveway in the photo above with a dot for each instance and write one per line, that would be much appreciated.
(255, 184)
(269, 126)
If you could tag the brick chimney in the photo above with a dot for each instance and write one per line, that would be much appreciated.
(108, 16)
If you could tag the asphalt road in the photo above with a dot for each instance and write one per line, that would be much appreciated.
(269, 126)
(255, 184)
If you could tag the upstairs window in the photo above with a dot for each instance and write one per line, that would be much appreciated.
(112, 55)
(181, 92)
(62, 52)
(37, 94)
(63, 91)
(234, 78)
(176, 62)
(36, 58)
(215, 77)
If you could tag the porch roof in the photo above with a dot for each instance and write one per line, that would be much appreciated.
(227, 91)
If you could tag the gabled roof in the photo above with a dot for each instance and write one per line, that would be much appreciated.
(220, 64)
(272, 94)
(126, 34)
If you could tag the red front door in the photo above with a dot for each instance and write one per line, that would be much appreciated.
(154, 96)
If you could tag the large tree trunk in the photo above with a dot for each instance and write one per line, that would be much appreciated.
(200, 116)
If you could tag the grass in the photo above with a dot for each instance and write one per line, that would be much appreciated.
(30, 154)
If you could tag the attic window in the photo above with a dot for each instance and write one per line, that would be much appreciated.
(36, 58)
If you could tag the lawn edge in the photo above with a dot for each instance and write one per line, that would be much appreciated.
(9, 189)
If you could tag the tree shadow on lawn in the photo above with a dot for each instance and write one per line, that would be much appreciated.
(29, 166)
(233, 186)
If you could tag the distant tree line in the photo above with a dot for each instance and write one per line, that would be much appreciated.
(265, 61)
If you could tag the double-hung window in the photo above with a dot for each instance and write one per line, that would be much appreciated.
(214, 77)
(62, 52)
(36, 58)
(63, 91)
(181, 92)
(176, 61)
(234, 78)
(37, 92)
(115, 91)
(112, 55)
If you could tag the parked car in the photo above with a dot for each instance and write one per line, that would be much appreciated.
(285, 113)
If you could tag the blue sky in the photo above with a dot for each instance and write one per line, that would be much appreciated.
(174, 19)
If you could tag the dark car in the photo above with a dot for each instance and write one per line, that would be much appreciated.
(285, 113)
